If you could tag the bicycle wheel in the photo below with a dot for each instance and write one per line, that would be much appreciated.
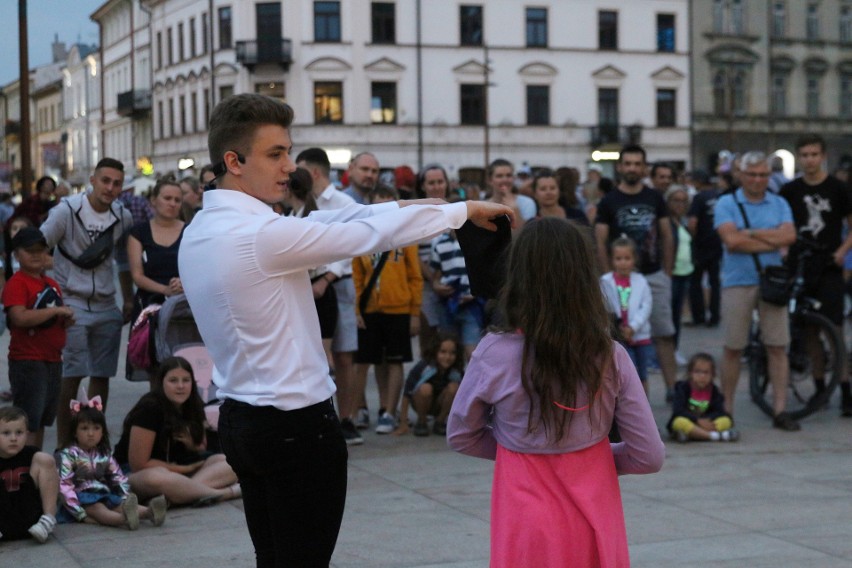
(758, 377)
(802, 399)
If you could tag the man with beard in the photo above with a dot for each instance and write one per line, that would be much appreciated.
(363, 175)
(639, 212)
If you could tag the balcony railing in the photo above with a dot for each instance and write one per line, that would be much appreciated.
(278, 51)
(615, 134)
(134, 103)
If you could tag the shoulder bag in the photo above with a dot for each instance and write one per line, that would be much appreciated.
(776, 282)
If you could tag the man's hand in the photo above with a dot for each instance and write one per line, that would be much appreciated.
(319, 287)
(359, 321)
(127, 310)
(482, 213)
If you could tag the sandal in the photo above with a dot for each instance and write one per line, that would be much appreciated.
(205, 501)
(130, 508)
(158, 507)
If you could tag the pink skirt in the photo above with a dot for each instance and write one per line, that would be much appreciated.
(557, 510)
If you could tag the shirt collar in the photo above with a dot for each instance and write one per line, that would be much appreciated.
(234, 198)
(328, 192)
(742, 198)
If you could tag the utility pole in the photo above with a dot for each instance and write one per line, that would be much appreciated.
(23, 48)
(487, 142)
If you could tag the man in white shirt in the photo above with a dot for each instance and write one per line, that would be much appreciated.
(245, 272)
(345, 342)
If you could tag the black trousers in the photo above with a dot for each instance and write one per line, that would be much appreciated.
(292, 469)
(696, 291)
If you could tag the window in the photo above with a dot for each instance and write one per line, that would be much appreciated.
(473, 104)
(171, 117)
(270, 89)
(812, 96)
(225, 39)
(193, 111)
(328, 102)
(383, 103)
(536, 27)
(182, 114)
(538, 105)
(720, 92)
(812, 26)
(205, 32)
(738, 94)
(384, 22)
(206, 107)
(846, 95)
(666, 109)
(846, 23)
(779, 94)
(607, 29)
(666, 32)
(159, 50)
(169, 47)
(608, 107)
(779, 19)
(470, 18)
(225, 91)
(181, 54)
(728, 17)
(326, 21)
(160, 119)
(192, 51)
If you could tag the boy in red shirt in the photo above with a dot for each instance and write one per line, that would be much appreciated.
(37, 320)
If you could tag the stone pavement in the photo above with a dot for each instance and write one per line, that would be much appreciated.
(774, 499)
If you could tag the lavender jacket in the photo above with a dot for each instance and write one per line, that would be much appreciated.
(491, 408)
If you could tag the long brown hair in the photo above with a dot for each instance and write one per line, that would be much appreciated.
(552, 295)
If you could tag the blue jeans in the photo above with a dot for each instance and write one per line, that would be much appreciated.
(292, 469)
(641, 356)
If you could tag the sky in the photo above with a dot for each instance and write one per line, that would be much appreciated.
(45, 18)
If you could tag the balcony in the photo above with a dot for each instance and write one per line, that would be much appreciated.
(255, 52)
(615, 135)
(134, 103)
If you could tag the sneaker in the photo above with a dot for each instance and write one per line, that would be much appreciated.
(362, 418)
(386, 423)
(440, 428)
(130, 508)
(421, 429)
(783, 421)
(350, 433)
(730, 435)
(42, 529)
(158, 507)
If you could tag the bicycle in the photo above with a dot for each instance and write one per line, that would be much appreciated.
(803, 399)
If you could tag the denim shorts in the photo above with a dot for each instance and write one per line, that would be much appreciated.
(464, 323)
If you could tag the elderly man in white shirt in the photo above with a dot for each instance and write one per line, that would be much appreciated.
(245, 272)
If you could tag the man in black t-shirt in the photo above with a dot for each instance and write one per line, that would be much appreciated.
(639, 212)
(706, 251)
(820, 203)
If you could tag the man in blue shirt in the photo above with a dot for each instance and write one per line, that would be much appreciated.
(769, 229)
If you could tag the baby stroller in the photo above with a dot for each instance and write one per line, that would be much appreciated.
(177, 335)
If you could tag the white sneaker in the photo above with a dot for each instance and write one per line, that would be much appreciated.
(42, 529)
(386, 424)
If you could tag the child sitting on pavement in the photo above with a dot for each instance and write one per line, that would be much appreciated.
(92, 486)
(432, 384)
(29, 484)
(698, 407)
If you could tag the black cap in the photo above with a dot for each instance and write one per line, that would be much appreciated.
(27, 237)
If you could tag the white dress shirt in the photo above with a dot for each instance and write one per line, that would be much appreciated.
(330, 199)
(244, 270)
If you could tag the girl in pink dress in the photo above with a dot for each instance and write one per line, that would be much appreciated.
(540, 397)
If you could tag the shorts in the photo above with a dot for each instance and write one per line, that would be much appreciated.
(327, 312)
(386, 339)
(738, 303)
(346, 335)
(35, 390)
(92, 345)
(662, 324)
(641, 356)
(463, 323)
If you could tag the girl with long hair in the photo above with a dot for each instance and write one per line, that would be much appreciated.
(163, 443)
(540, 396)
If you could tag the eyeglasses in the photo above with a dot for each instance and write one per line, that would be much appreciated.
(755, 175)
